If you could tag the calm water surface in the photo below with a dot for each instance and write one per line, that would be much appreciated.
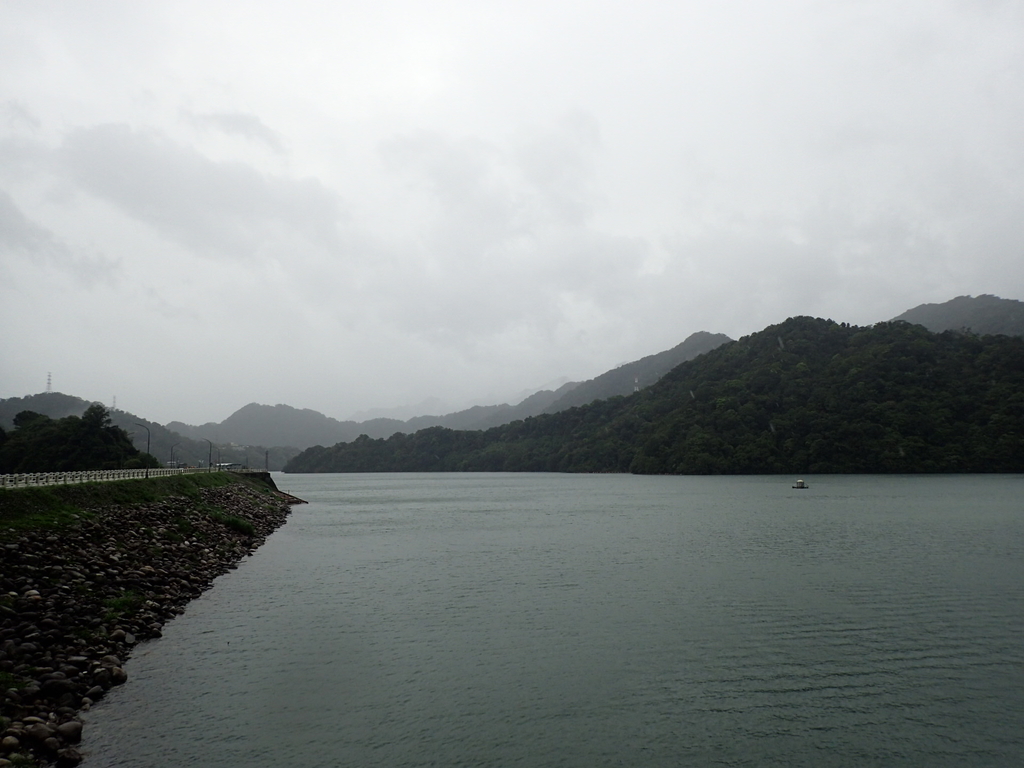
(595, 620)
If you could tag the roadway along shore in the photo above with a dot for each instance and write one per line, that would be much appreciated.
(75, 600)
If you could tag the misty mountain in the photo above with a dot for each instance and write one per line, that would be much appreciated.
(985, 314)
(487, 416)
(804, 396)
(256, 424)
(285, 425)
(164, 442)
(432, 406)
(627, 378)
(302, 428)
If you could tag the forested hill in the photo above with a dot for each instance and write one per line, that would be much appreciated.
(804, 396)
(70, 444)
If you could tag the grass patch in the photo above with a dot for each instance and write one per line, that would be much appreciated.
(184, 525)
(233, 522)
(127, 603)
(52, 506)
(240, 525)
(7, 680)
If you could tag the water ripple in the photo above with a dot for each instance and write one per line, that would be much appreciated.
(541, 620)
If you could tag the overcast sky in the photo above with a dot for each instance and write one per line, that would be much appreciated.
(345, 205)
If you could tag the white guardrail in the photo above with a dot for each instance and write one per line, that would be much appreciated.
(99, 476)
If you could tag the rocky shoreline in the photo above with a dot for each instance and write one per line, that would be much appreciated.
(74, 603)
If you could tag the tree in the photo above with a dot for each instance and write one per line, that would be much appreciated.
(41, 444)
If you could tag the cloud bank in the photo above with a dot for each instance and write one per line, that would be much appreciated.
(346, 207)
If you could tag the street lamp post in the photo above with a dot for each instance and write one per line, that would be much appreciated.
(209, 460)
(147, 444)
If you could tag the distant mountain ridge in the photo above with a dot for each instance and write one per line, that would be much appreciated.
(252, 423)
(304, 428)
(165, 442)
(288, 430)
(983, 315)
(432, 406)
(640, 374)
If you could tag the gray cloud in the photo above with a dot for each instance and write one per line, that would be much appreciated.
(20, 236)
(469, 201)
(23, 158)
(559, 166)
(237, 124)
(409, 203)
(213, 207)
(19, 117)
(505, 240)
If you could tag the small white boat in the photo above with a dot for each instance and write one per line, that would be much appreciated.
(801, 485)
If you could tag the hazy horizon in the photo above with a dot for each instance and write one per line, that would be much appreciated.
(352, 207)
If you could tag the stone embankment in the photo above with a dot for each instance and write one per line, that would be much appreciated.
(74, 602)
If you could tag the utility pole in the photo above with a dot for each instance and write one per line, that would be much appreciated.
(209, 461)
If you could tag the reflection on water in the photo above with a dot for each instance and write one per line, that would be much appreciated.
(554, 620)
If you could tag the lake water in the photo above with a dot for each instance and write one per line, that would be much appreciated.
(598, 620)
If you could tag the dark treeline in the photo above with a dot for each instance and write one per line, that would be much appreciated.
(41, 444)
(805, 396)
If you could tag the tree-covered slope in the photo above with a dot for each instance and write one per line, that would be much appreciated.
(804, 396)
(56, 405)
(41, 444)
